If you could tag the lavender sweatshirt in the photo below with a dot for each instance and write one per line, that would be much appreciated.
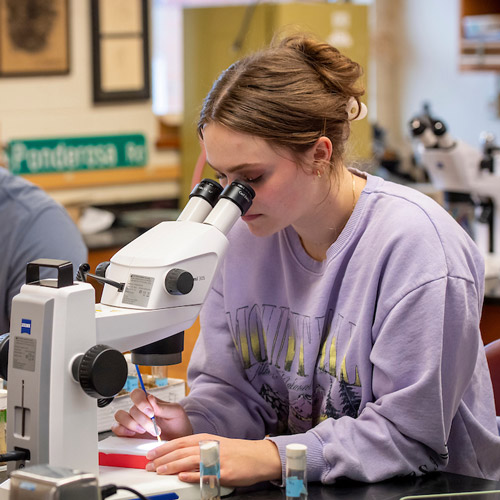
(372, 358)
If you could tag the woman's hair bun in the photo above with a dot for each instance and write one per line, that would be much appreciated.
(337, 71)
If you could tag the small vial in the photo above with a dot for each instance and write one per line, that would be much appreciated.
(296, 471)
(209, 470)
(160, 375)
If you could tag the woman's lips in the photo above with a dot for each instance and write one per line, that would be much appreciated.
(250, 217)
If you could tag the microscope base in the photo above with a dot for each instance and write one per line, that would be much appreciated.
(149, 483)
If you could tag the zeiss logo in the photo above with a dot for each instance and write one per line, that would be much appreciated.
(26, 326)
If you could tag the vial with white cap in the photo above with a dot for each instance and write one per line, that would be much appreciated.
(296, 471)
(209, 470)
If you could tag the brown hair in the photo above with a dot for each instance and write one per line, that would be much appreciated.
(289, 94)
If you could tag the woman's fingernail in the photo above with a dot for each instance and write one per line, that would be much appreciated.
(149, 412)
(162, 469)
(140, 429)
(150, 466)
(150, 455)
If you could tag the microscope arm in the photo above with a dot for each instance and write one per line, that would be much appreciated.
(127, 329)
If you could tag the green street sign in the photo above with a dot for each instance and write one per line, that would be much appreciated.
(67, 154)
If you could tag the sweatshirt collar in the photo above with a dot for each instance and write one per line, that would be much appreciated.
(314, 266)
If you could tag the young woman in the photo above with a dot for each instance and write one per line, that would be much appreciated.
(346, 312)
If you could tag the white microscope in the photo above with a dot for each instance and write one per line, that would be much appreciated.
(64, 351)
(458, 169)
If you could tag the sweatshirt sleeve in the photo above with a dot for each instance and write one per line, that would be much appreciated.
(221, 399)
(424, 353)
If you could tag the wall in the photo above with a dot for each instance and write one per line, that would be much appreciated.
(415, 44)
(420, 39)
(32, 107)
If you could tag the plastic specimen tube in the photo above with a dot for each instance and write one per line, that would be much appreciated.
(296, 472)
(209, 470)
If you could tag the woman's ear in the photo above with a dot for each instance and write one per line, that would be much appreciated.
(322, 150)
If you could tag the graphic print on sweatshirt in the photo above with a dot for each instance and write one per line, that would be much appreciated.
(279, 351)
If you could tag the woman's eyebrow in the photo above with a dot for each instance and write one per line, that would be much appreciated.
(234, 168)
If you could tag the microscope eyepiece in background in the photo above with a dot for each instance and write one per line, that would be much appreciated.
(417, 127)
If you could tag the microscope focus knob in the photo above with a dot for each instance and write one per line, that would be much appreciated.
(101, 371)
(179, 282)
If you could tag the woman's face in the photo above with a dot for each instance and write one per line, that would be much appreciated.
(285, 193)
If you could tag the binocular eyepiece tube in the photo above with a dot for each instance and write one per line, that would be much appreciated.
(233, 202)
(202, 199)
(210, 204)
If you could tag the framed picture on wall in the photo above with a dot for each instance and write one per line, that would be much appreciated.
(120, 50)
(34, 37)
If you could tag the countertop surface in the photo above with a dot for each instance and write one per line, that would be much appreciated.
(432, 484)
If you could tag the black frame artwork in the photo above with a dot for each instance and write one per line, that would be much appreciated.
(34, 38)
(120, 49)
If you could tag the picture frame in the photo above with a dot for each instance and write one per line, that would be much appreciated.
(34, 38)
(120, 50)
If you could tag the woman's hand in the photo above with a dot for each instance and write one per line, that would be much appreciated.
(171, 419)
(243, 462)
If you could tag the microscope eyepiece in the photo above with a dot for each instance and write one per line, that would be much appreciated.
(241, 194)
(417, 127)
(421, 131)
(444, 139)
(207, 189)
(202, 199)
(233, 202)
(438, 127)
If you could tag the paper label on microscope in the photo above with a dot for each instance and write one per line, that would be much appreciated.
(24, 353)
(138, 290)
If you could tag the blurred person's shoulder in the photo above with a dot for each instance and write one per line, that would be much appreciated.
(16, 191)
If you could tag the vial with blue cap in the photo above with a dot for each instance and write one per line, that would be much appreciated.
(296, 472)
